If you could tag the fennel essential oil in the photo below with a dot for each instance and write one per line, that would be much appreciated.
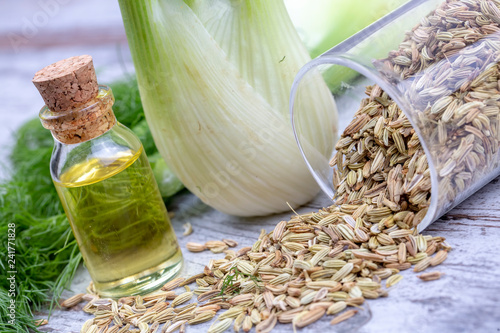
(119, 219)
(105, 184)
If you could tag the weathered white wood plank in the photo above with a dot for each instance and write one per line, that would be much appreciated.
(466, 299)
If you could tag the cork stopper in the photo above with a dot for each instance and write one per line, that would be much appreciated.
(68, 83)
(77, 109)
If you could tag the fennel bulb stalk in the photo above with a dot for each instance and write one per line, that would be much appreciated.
(214, 77)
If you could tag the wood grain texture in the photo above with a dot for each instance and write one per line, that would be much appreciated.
(465, 299)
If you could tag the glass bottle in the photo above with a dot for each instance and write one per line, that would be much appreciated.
(105, 183)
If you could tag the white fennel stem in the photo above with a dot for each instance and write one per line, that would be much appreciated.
(214, 78)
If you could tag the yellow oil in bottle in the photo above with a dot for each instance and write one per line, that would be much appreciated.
(120, 223)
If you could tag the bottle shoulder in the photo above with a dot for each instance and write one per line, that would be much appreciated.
(106, 154)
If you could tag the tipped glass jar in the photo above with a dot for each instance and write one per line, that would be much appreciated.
(111, 199)
(427, 131)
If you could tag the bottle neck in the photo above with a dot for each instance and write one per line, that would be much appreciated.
(84, 122)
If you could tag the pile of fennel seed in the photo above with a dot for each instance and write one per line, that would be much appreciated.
(322, 263)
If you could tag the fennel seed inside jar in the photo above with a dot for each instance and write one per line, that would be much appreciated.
(380, 164)
(445, 76)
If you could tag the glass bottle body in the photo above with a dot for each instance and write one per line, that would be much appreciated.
(116, 212)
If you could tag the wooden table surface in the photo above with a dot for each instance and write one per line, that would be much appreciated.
(465, 299)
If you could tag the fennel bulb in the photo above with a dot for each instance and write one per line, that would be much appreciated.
(215, 77)
(322, 24)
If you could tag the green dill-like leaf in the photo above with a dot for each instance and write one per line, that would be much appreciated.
(229, 279)
(232, 276)
(127, 107)
(129, 111)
